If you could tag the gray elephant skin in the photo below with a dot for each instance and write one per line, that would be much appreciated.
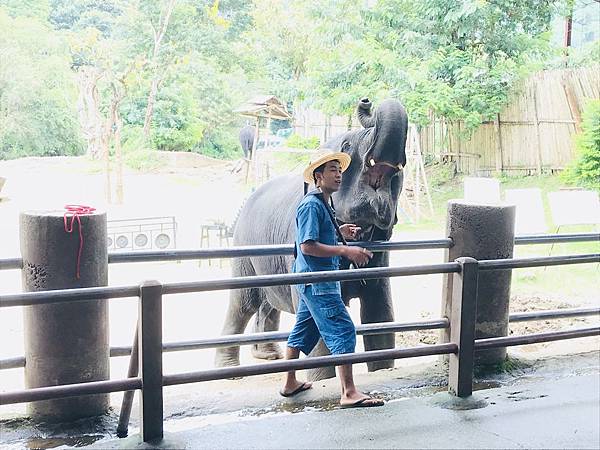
(367, 197)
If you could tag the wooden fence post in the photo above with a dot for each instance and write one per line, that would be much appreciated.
(462, 327)
(150, 360)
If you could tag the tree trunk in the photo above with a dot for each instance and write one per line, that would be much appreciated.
(114, 125)
(90, 118)
(118, 157)
(150, 106)
(158, 37)
(106, 154)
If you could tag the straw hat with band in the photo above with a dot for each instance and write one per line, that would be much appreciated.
(321, 157)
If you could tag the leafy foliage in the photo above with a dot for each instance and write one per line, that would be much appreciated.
(453, 59)
(297, 141)
(37, 100)
(585, 169)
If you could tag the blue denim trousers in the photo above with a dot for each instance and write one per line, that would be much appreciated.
(323, 316)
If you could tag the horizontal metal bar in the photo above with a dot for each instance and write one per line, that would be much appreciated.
(279, 336)
(255, 338)
(68, 295)
(553, 314)
(62, 295)
(541, 261)
(266, 250)
(12, 363)
(508, 341)
(209, 253)
(308, 277)
(11, 263)
(70, 390)
(307, 363)
(368, 329)
(556, 238)
(244, 251)
(287, 249)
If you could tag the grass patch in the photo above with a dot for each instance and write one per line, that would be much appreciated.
(573, 282)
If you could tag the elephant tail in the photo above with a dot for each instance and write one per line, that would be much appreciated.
(236, 218)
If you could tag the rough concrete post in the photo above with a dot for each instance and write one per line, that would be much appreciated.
(482, 232)
(65, 342)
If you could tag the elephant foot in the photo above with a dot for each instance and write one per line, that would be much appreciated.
(268, 351)
(322, 373)
(226, 357)
(378, 365)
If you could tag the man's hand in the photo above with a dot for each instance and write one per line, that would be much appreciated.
(358, 255)
(350, 231)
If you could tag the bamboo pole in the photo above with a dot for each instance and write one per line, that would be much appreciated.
(572, 102)
(499, 166)
(538, 152)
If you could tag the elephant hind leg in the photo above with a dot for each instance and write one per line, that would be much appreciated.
(267, 319)
(243, 303)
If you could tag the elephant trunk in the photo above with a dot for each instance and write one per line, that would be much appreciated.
(363, 111)
(389, 134)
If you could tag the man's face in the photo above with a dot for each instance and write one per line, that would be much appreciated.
(331, 178)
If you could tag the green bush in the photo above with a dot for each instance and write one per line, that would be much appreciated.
(297, 141)
(136, 155)
(585, 169)
(175, 125)
(221, 143)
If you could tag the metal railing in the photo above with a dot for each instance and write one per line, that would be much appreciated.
(288, 249)
(151, 381)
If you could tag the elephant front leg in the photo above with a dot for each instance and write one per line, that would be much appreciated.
(267, 319)
(320, 373)
(376, 306)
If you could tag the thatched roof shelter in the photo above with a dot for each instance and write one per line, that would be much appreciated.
(267, 106)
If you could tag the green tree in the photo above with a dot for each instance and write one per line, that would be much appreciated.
(455, 59)
(38, 92)
(585, 168)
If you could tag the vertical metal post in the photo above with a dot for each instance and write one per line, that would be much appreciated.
(462, 327)
(150, 360)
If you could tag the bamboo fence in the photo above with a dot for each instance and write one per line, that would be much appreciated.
(533, 134)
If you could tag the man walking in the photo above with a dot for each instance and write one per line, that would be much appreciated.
(321, 312)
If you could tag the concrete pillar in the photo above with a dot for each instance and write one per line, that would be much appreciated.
(482, 232)
(65, 342)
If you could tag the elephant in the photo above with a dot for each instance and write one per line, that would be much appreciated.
(247, 140)
(368, 197)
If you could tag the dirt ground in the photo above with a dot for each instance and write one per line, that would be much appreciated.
(196, 190)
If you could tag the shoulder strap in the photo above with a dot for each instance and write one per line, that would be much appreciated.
(319, 194)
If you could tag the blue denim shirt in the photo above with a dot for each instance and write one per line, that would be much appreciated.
(313, 223)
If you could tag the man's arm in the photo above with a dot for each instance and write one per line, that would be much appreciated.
(357, 255)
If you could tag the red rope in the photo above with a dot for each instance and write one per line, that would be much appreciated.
(76, 211)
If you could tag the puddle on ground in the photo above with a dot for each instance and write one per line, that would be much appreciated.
(490, 384)
(52, 442)
(23, 432)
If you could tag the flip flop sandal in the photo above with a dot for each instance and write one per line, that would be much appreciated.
(368, 402)
(302, 387)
